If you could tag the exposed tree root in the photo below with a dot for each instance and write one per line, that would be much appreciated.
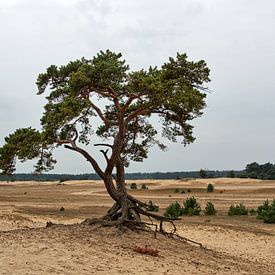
(127, 215)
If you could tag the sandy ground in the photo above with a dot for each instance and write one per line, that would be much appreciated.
(234, 245)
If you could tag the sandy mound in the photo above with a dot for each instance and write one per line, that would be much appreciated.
(80, 249)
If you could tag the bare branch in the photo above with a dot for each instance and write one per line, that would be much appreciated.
(89, 158)
(100, 114)
(104, 144)
(105, 155)
(138, 112)
(64, 141)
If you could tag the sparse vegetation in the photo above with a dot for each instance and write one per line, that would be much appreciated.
(237, 210)
(189, 190)
(177, 190)
(62, 209)
(174, 210)
(133, 185)
(266, 212)
(152, 207)
(191, 207)
(210, 188)
(143, 186)
(210, 209)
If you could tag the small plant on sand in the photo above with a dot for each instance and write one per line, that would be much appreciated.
(266, 212)
(189, 190)
(210, 209)
(210, 188)
(133, 185)
(177, 190)
(174, 210)
(152, 207)
(237, 210)
(62, 209)
(143, 186)
(191, 207)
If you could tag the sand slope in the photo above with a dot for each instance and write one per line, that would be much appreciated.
(235, 245)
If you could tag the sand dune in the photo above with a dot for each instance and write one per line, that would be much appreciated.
(235, 245)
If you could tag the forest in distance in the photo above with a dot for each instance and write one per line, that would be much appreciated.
(253, 170)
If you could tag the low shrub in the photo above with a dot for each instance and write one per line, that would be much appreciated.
(191, 207)
(174, 210)
(210, 188)
(266, 212)
(238, 210)
(262, 208)
(152, 207)
(210, 209)
(177, 190)
(189, 190)
(62, 209)
(133, 185)
(143, 186)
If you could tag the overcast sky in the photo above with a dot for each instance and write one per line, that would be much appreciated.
(235, 37)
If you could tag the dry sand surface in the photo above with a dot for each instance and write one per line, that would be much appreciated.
(234, 245)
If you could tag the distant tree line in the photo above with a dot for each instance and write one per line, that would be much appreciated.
(129, 176)
(253, 170)
(260, 171)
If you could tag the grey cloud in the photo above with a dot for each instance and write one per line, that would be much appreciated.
(236, 38)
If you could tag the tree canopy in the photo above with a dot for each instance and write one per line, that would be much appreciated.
(105, 89)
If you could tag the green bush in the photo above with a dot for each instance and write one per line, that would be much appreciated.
(191, 207)
(62, 209)
(174, 210)
(210, 187)
(262, 208)
(143, 186)
(210, 209)
(133, 185)
(152, 207)
(238, 210)
(266, 212)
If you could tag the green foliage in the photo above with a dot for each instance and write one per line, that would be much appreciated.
(210, 209)
(152, 207)
(231, 174)
(191, 207)
(143, 186)
(62, 209)
(260, 171)
(25, 144)
(210, 188)
(175, 92)
(266, 212)
(173, 211)
(238, 209)
(203, 174)
(133, 185)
